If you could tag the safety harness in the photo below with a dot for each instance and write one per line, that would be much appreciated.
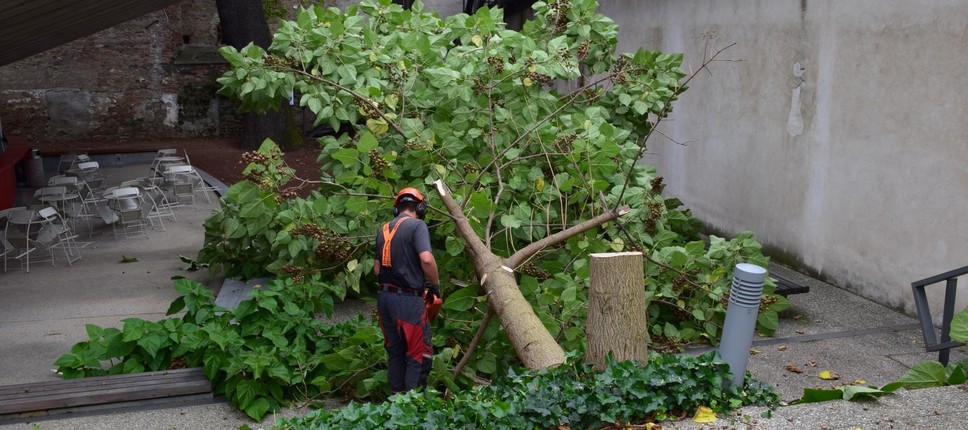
(388, 237)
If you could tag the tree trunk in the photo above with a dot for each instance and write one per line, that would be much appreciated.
(617, 321)
(242, 22)
(533, 343)
(535, 346)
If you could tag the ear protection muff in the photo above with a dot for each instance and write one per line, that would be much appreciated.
(412, 194)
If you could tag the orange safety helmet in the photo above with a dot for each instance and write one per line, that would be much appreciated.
(414, 194)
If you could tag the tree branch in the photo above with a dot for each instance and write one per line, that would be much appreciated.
(572, 98)
(354, 94)
(463, 226)
(476, 340)
(526, 252)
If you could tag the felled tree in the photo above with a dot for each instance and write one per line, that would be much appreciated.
(530, 138)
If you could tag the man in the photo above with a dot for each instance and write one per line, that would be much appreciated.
(403, 261)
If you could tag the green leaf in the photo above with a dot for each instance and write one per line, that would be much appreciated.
(347, 156)
(959, 326)
(487, 364)
(852, 392)
(925, 374)
(570, 294)
(176, 306)
(461, 300)
(366, 143)
(956, 375)
(815, 395)
(258, 409)
(510, 221)
(454, 245)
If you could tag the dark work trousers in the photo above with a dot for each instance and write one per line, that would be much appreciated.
(406, 335)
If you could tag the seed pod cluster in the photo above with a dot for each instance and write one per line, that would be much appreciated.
(332, 246)
(583, 50)
(565, 143)
(766, 301)
(471, 168)
(295, 273)
(619, 71)
(497, 63)
(378, 163)
(657, 185)
(535, 271)
(480, 87)
(560, 8)
(415, 145)
(367, 108)
(255, 157)
(178, 363)
(538, 78)
(285, 194)
(655, 212)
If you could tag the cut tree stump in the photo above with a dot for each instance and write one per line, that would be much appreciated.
(617, 319)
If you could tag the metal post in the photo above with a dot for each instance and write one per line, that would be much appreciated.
(741, 312)
(951, 288)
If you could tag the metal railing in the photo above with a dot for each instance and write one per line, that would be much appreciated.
(931, 342)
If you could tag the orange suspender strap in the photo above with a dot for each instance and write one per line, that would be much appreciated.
(387, 238)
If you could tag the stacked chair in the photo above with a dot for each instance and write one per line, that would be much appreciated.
(27, 231)
(130, 212)
(180, 181)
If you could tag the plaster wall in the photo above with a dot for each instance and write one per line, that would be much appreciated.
(836, 131)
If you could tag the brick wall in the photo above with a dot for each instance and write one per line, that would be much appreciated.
(149, 78)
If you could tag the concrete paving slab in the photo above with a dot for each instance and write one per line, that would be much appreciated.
(43, 312)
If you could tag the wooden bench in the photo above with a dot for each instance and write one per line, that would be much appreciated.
(786, 286)
(100, 390)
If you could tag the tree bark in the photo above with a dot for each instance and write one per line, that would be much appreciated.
(242, 22)
(617, 320)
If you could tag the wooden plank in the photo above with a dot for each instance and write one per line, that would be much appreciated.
(103, 385)
(102, 390)
(120, 394)
(95, 381)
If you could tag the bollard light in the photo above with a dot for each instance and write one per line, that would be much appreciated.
(741, 312)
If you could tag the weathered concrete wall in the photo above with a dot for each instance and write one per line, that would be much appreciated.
(838, 134)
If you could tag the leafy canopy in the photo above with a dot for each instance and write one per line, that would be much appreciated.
(534, 131)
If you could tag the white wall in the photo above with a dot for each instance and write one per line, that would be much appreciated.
(856, 165)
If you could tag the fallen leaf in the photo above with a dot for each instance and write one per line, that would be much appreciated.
(793, 368)
(812, 363)
(126, 259)
(827, 375)
(754, 351)
(652, 426)
(799, 331)
(859, 382)
(704, 415)
(796, 317)
(781, 348)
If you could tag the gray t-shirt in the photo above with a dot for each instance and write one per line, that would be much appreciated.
(411, 238)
